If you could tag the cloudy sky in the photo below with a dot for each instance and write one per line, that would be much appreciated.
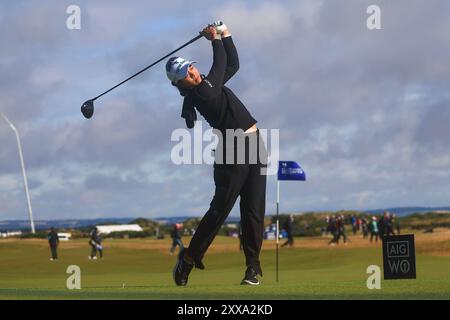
(365, 112)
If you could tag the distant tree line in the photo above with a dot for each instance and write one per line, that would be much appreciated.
(305, 224)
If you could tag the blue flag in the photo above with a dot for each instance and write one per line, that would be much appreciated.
(290, 170)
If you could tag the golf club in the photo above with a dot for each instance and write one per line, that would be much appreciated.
(87, 109)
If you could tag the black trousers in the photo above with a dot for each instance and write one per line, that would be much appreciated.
(340, 234)
(54, 250)
(247, 180)
(289, 241)
(374, 234)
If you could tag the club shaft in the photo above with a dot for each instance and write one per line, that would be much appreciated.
(139, 72)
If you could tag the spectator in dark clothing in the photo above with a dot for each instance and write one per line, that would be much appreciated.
(96, 244)
(332, 229)
(340, 229)
(385, 225)
(390, 226)
(176, 238)
(365, 228)
(288, 226)
(53, 241)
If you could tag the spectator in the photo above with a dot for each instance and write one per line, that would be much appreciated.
(374, 230)
(332, 229)
(288, 227)
(390, 225)
(365, 228)
(340, 229)
(53, 241)
(176, 238)
(96, 244)
(385, 225)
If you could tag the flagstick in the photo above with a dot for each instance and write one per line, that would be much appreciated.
(277, 232)
(292, 171)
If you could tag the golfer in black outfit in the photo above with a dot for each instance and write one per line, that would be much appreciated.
(232, 178)
(53, 241)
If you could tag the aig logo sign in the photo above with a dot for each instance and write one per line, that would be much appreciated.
(399, 257)
(398, 249)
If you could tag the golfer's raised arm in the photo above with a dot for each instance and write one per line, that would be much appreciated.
(232, 56)
(213, 82)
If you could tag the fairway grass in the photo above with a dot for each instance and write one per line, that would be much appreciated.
(140, 269)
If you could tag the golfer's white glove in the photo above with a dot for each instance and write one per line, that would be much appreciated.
(220, 26)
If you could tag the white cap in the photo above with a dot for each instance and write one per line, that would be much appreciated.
(177, 68)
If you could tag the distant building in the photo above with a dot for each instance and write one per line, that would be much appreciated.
(10, 234)
(441, 212)
(64, 236)
(119, 228)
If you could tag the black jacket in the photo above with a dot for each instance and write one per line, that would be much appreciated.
(53, 239)
(288, 226)
(217, 103)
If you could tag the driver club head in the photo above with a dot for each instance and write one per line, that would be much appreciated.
(87, 109)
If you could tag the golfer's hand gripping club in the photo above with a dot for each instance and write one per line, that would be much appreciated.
(219, 26)
(210, 33)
